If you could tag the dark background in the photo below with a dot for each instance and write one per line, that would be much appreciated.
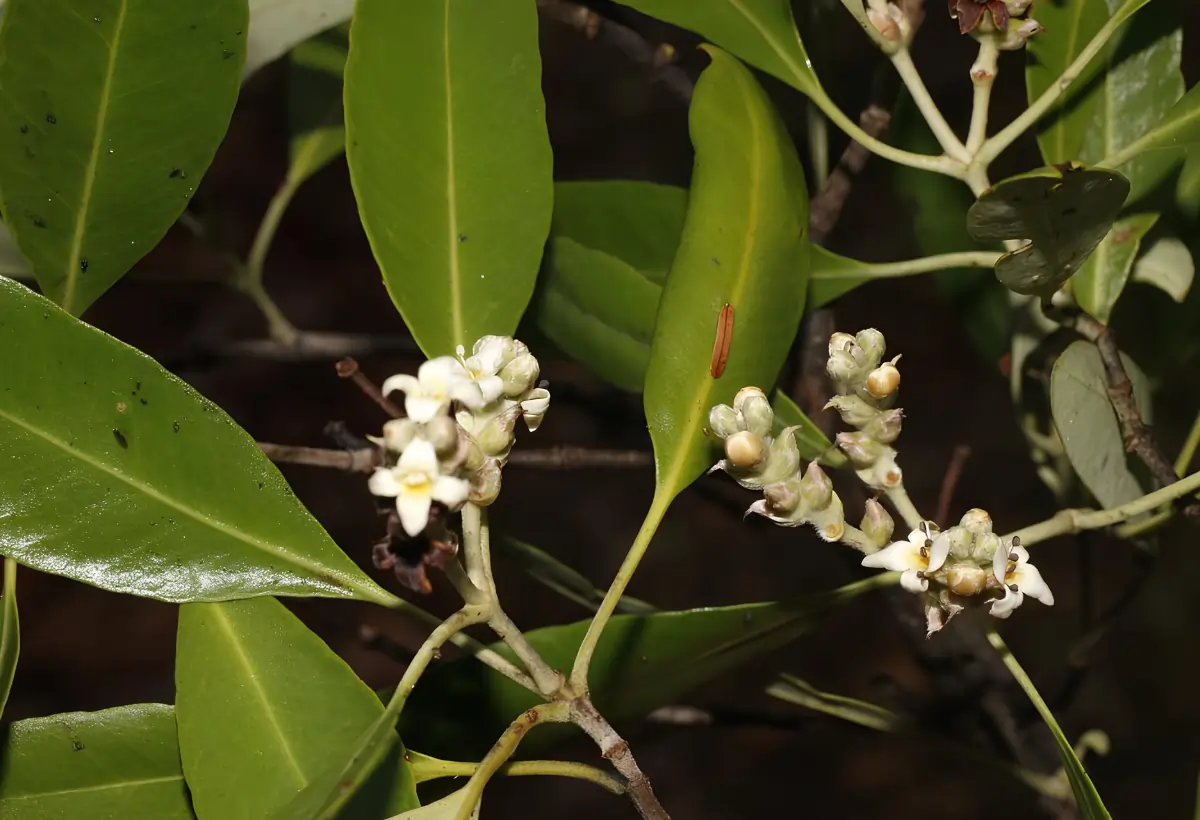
(84, 649)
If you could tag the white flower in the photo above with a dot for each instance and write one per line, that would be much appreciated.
(437, 383)
(415, 482)
(488, 356)
(919, 555)
(1019, 578)
(534, 407)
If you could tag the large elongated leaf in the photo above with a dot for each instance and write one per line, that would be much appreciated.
(743, 246)
(117, 474)
(1099, 284)
(10, 631)
(450, 160)
(120, 762)
(642, 662)
(1088, 425)
(263, 708)
(761, 32)
(104, 137)
(277, 26)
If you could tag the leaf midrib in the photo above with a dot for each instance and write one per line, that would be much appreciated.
(802, 80)
(89, 179)
(456, 319)
(124, 784)
(1060, 135)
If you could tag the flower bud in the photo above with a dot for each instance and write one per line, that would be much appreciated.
(1018, 33)
(520, 375)
(534, 407)
(885, 427)
(872, 344)
(816, 490)
(442, 433)
(830, 522)
(745, 449)
(496, 351)
(839, 341)
(883, 473)
(475, 457)
(965, 579)
(883, 381)
(860, 448)
(961, 542)
(485, 483)
(888, 23)
(745, 394)
(854, 411)
(495, 434)
(877, 524)
(842, 367)
(758, 415)
(783, 458)
(976, 521)
(783, 497)
(723, 421)
(397, 433)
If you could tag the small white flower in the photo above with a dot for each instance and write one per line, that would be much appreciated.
(925, 551)
(1019, 578)
(488, 356)
(415, 482)
(437, 383)
(534, 407)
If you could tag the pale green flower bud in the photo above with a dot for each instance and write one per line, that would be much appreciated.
(855, 411)
(961, 542)
(783, 458)
(885, 427)
(745, 450)
(965, 579)
(783, 497)
(877, 524)
(1018, 32)
(495, 433)
(758, 415)
(397, 433)
(830, 522)
(842, 367)
(816, 490)
(442, 433)
(883, 473)
(520, 375)
(744, 395)
(860, 448)
(839, 341)
(871, 342)
(976, 521)
(485, 483)
(723, 421)
(475, 456)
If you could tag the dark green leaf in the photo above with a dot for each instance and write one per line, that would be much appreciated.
(561, 578)
(10, 631)
(278, 27)
(116, 473)
(118, 763)
(1099, 284)
(799, 692)
(1088, 425)
(1177, 130)
(105, 136)
(315, 104)
(743, 245)
(450, 160)
(642, 662)
(264, 707)
(1064, 211)
(761, 32)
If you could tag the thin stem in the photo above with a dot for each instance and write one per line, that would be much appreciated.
(910, 267)
(469, 615)
(253, 270)
(503, 749)
(854, 537)
(472, 526)
(1189, 448)
(983, 75)
(993, 147)
(903, 504)
(950, 143)
(1072, 521)
(583, 658)
(430, 768)
(278, 326)
(615, 749)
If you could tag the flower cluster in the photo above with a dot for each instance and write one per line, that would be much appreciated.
(435, 457)
(952, 568)
(865, 389)
(996, 16)
(760, 461)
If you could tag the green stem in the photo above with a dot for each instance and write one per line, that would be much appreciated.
(1072, 521)
(249, 277)
(503, 749)
(854, 537)
(910, 267)
(583, 658)
(1135, 528)
(950, 143)
(983, 76)
(903, 504)
(430, 768)
(1189, 448)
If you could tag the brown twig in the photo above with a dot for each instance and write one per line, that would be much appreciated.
(347, 368)
(366, 459)
(615, 749)
(954, 472)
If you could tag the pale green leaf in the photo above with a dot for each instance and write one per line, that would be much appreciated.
(1100, 282)
(1168, 266)
(105, 136)
(10, 631)
(450, 160)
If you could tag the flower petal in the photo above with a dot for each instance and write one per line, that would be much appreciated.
(467, 393)
(418, 457)
(1000, 562)
(451, 491)
(1005, 606)
(1029, 580)
(897, 556)
(436, 374)
(912, 581)
(403, 381)
(491, 388)
(414, 510)
(421, 407)
(534, 407)
(383, 483)
(939, 552)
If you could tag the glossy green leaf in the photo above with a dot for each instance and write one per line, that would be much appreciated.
(1088, 426)
(1100, 282)
(761, 32)
(642, 662)
(105, 136)
(117, 474)
(264, 707)
(1178, 129)
(118, 763)
(1168, 266)
(315, 104)
(743, 245)
(1065, 212)
(557, 576)
(1187, 188)
(1070, 27)
(278, 26)
(10, 631)
(450, 160)
(1141, 83)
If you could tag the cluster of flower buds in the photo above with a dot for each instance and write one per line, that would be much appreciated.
(890, 27)
(990, 17)
(433, 456)
(966, 565)
(865, 392)
(759, 461)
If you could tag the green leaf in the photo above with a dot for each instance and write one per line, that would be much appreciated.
(797, 692)
(450, 160)
(1100, 282)
(1141, 83)
(761, 32)
(264, 707)
(120, 475)
(278, 27)
(743, 245)
(10, 632)
(120, 762)
(1065, 212)
(1168, 266)
(1178, 129)
(105, 136)
(315, 115)
(557, 576)
(642, 662)
(1069, 28)
(1088, 426)
(448, 808)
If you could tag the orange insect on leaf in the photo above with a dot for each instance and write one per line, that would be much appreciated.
(720, 353)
